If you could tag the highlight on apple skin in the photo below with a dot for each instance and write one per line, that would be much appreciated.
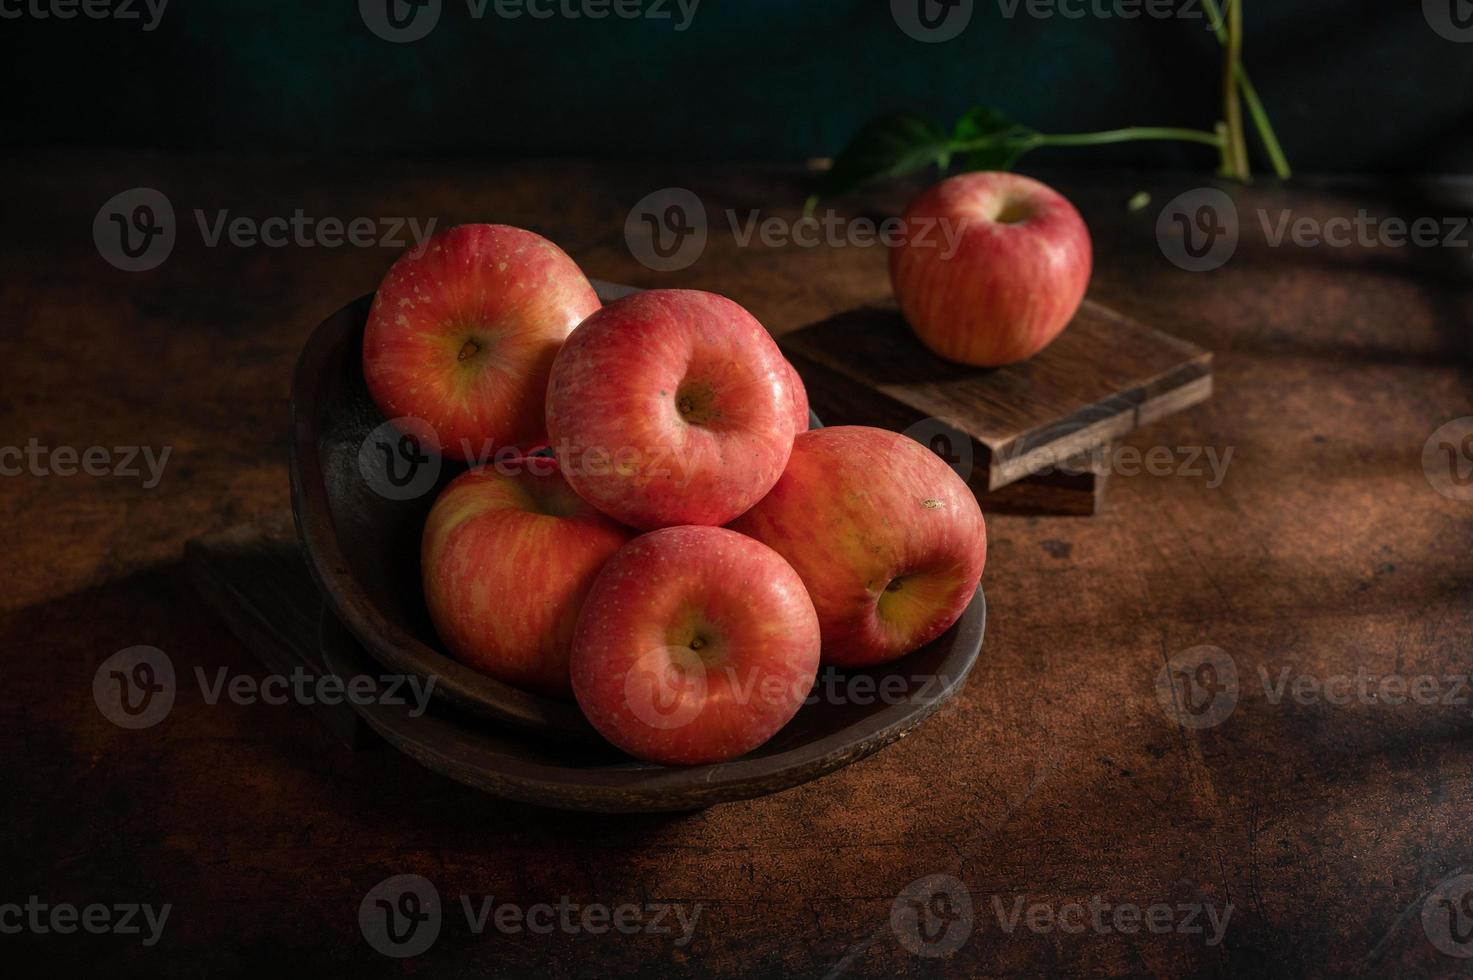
(800, 399)
(463, 332)
(1021, 265)
(695, 645)
(888, 540)
(671, 406)
(507, 557)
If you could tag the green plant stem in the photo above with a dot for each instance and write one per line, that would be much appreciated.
(1265, 131)
(1033, 141)
(1250, 99)
(1236, 150)
(1126, 135)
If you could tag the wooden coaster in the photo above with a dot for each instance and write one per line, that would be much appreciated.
(1076, 489)
(1105, 376)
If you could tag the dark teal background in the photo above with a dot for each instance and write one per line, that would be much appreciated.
(1354, 85)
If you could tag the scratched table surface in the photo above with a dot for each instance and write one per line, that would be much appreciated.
(1221, 728)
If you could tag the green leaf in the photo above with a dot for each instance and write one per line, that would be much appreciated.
(982, 120)
(1001, 140)
(888, 146)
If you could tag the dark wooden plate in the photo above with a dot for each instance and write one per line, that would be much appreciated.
(360, 498)
(828, 733)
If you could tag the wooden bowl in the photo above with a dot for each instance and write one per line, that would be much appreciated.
(360, 531)
(827, 734)
(360, 498)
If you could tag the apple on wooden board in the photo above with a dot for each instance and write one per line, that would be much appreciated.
(463, 331)
(695, 645)
(887, 538)
(671, 406)
(507, 556)
(1004, 279)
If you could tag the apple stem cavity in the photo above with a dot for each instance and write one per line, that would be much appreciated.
(471, 349)
(1014, 212)
(694, 402)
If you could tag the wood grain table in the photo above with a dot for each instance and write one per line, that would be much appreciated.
(1322, 820)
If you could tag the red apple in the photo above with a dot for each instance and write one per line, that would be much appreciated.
(507, 556)
(463, 331)
(800, 400)
(695, 645)
(992, 267)
(888, 539)
(671, 406)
